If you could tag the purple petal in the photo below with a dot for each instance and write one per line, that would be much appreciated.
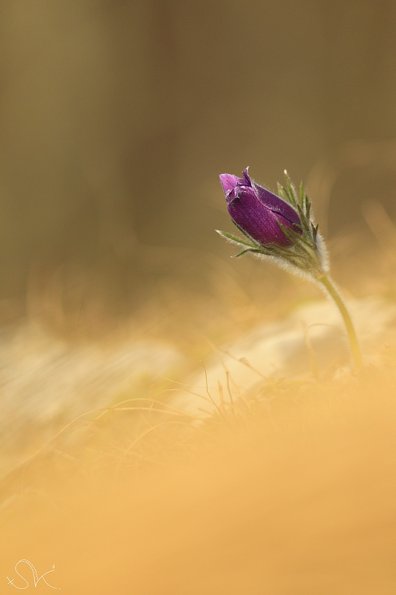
(257, 211)
(246, 177)
(229, 182)
(256, 219)
(277, 204)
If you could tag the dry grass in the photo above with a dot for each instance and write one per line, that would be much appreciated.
(252, 462)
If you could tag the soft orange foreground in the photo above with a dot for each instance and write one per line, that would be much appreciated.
(301, 500)
(260, 466)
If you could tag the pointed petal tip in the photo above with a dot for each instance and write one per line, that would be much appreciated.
(246, 171)
(246, 176)
(228, 182)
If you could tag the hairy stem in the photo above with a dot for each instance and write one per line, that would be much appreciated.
(332, 291)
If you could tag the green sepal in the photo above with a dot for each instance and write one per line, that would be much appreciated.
(255, 250)
(234, 239)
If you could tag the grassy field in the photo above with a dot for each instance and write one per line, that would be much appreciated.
(217, 445)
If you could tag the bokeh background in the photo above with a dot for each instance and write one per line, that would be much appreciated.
(123, 318)
(116, 117)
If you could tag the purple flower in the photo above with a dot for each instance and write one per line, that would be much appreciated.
(258, 212)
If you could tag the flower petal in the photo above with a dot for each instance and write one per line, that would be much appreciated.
(229, 182)
(277, 204)
(254, 218)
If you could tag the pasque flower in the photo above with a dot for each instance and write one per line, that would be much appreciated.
(276, 225)
(257, 212)
(281, 228)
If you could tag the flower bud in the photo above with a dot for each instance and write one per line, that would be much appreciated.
(256, 211)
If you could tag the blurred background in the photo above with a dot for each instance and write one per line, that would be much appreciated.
(116, 118)
(122, 315)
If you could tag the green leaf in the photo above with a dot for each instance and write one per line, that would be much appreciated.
(245, 251)
(234, 239)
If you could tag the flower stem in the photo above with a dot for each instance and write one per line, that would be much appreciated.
(332, 291)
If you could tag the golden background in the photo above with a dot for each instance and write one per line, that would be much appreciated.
(116, 118)
(174, 421)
